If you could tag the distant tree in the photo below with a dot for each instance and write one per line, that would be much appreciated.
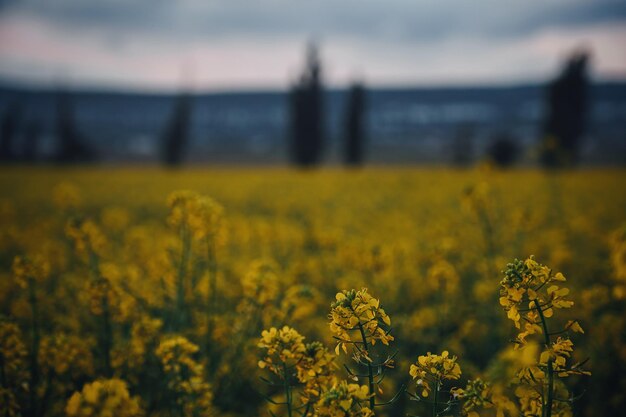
(306, 105)
(503, 151)
(566, 116)
(8, 131)
(175, 136)
(71, 145)
(30, 147)
(355, 125)
(462, 145)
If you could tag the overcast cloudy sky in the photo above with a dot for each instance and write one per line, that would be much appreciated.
(224, 44)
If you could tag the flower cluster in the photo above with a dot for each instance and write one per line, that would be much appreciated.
(261, 291)
(558, 353)
(528, 292)
(66, 196)
(442, 276)
(298, 302)
(103, 398)
(101, 291)
(184, 209)
(115, 219)
(260, 285)
(531, 404)
(144, 334)
(285, 349)
(12, 360)
(618, 252)
(192, 212)
(531, 292)
(315, 370)
(477, 198)
(61, 354)
(185, 377)
(432, 370)
(12, 350)
(88, 239)
(104, 295)
(135, 355)
(618, 260)
(211, 215)
(307, 366)
(28, 271)
(475, 396)
(358, 311)
(344, 400)
(9, 405)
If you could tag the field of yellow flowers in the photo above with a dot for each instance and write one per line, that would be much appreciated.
(258, 292)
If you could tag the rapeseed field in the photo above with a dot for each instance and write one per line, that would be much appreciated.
(268, 291)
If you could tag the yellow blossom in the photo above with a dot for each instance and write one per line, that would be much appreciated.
(344, 400)
(285, 348)
(103, 398)
(356, 314)
(432, 369)
(185, 376)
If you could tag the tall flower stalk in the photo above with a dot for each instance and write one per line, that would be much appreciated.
(530, 293)
(29, 274)
(357, 312)
(89, 243)
(300, 368)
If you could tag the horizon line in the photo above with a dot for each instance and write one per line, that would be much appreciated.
(118, 88)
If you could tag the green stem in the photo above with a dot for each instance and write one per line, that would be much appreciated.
(370, 371)
(443, 302)
(212, 296)
(182, 272)
(106, 331)
(46, 395)
(35, 340)
(107, 336)
(306, 410)
(3, 378)
(435, 404)
(488, 235)
(546, 410)
(287, 390)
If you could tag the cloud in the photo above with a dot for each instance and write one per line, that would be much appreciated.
(391, 19)
(239, 43)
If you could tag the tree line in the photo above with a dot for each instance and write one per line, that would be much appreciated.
(565, 121)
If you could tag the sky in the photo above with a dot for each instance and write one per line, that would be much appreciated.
(243, 44)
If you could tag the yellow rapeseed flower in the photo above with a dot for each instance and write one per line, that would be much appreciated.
(344, 400)
(103, 398)
(432, 369)
(356, 315)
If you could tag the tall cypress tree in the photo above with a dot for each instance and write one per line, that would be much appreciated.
(566, 116)
(306, 104)
(71, 145)
(175, 136)
(8, 131)
(30, 147)
(355, 125)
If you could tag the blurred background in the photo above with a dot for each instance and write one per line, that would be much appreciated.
(308, 83)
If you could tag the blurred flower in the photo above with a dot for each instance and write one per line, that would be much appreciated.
(285, 348)
(185, 377)
(103, 398)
